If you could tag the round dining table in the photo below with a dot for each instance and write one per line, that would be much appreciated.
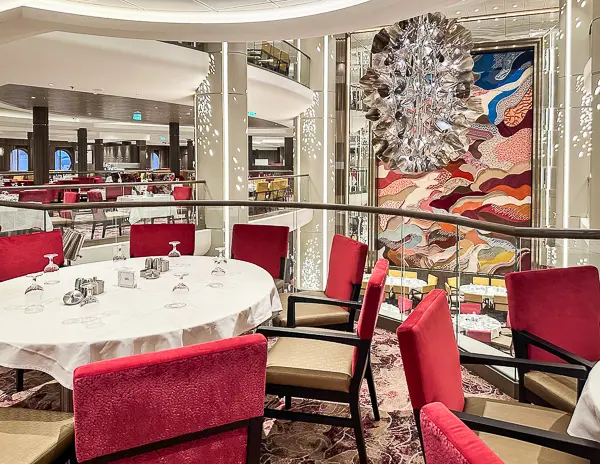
(129, 321)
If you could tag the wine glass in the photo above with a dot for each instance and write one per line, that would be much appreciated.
(174, 253)
(179, 291)
(219, 260)
(118, 253)
(51, 270)
(88, 291)
(34, 295)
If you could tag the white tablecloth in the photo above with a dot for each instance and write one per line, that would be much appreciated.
(130, 321)
(138, 214)
(483, 290)
(17, 219)
(585, 422)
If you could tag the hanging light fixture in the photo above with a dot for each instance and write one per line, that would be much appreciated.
(416, 92)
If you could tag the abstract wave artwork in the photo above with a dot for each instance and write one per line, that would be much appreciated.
(491, 182)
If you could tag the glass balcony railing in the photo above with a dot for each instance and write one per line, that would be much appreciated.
(477, 300)
(281, 57)
(278, 56)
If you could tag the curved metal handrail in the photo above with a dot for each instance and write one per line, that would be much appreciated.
(459, 221)
(100, 185)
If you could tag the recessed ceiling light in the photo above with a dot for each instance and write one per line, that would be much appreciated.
(33, 98)
(476, 10)
(495, 19)
(479, 20)
(495, 8)
(50, 84)
(458, 12)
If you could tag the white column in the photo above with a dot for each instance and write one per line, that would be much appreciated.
(316, 157)
(222, 136)
(573, 121)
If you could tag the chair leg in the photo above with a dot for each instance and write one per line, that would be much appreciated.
(93, 230)
(358, 431)
(372, 392)
(103, 230)
(288, 402)
(19, 374)
(254, 438)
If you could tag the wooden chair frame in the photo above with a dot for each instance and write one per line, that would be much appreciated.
(362, 369)
(587, 449)
(352, 306)
(521, 342)
(253, 425)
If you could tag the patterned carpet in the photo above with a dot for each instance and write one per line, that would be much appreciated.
(392, 440)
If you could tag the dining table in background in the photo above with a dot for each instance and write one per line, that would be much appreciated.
(142, 214)
(20, 219)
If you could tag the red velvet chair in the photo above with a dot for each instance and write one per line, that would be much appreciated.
(115, 191)
(34, 196)
(182, 194)
(346, 269)
(265, 246)
(554, 316)
(446, 440)
(201, 404)
(328, 365)
(153, 239)
(105, 219)
(24, 254)
(66, 217)
(432, 368)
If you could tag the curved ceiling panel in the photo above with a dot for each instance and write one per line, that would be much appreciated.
(141, 69)
(276, 98)
(206, 20)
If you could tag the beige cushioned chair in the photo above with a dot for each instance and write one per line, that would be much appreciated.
(29, 436)
(311, 308)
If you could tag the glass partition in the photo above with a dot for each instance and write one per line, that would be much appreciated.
(281, 57)
(98, 229)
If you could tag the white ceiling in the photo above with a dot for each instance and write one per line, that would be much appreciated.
(143, 69)
(204, 20)
(131, 68)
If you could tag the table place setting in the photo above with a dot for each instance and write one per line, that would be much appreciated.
(57, 320)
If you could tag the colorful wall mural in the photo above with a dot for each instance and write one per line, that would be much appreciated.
(492, 182)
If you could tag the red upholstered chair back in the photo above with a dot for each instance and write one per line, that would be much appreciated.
(374, 295)
(346, 267)
(182, 193)
(34, 196)
(69, 198)
(129, 402)
(446, 440)
(98, 214)
(558, 305)
(265, 246)
(24, 254)
(153, 239)
(112, 193)
(430, 355)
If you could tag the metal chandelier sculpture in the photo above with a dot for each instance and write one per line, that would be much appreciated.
(417, 90)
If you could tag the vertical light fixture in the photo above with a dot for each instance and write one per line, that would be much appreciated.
(225, 81)
(298, 180)
(325, 257)
(567, 133)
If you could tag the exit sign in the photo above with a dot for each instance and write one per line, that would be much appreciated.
(251, 113)
(137, 116)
